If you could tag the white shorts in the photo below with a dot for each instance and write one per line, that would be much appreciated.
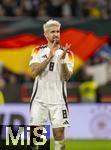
(57, 114)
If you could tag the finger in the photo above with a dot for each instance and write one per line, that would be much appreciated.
(54, 43)
(67, 46)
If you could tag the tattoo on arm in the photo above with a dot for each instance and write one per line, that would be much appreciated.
(37, 68)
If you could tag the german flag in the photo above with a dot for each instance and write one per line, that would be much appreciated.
(15, 51)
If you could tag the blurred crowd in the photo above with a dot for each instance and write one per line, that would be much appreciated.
(56, 8)
(14, 87)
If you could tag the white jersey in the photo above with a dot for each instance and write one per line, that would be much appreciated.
(48, 86)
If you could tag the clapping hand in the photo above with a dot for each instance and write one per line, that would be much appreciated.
(53, 49)
(66, 48)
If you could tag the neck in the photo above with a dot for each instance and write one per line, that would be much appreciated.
(50, 45)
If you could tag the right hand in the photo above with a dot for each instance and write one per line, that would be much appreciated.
(66, 48)
(53, 49)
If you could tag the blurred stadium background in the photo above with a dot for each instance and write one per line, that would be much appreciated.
(86, 24)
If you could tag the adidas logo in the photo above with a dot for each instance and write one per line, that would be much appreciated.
(44, 56)
(66, 122)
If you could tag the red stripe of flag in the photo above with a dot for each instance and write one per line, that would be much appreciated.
(84, 44)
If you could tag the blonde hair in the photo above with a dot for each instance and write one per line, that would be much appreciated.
(51, 23)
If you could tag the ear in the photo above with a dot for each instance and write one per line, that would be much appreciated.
(45, 34)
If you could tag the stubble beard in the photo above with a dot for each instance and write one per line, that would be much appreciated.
(57, 41)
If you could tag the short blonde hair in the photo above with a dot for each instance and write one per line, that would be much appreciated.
(50, 23)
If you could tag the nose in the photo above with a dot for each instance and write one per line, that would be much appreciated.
(56, 34)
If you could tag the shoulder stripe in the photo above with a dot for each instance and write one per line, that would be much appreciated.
(43, 46)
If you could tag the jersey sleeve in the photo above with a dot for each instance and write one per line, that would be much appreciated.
(70, 60)
(35, 56)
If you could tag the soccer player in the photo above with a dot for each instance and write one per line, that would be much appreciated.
(52, 66)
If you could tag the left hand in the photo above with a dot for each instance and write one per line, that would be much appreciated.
(66, 48)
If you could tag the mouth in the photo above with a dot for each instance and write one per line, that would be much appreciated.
(56, 40)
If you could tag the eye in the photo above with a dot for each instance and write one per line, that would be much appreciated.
(52, 32)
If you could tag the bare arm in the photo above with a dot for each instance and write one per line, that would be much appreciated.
(37, 68)
(65, 72)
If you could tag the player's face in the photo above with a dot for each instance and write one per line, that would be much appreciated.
(53, 34)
